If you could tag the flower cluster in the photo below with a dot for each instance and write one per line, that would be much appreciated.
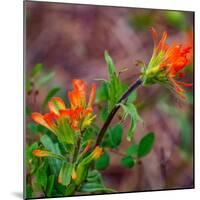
(167, 64)
(79, 115)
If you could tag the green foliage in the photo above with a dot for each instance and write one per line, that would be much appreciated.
(116, 135)
(127, 161)
(176, 19)
(110, 64)
(112, 89)
(113, 137)
(65, 134)
(141, 21)
(54, 164)
(132, 150)
(146, 144)
(50, 94)
(132, 97)
(44, 79)
(130, 110)
(50, 185)
(65, 173)
(31, 161)
(41, 176)
(36, 70)
(93, 176)
(103, 161)
(33, 127)
(95, 187)
(102, 93)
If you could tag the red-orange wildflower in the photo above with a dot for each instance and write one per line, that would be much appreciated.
(79, 115)
(167, 64)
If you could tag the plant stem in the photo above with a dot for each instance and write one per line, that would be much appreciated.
(102, 132)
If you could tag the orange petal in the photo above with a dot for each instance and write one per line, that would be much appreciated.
(87, 146)
(154, 35)
(184, 84)
(92, 95)
(56, 104)
(97, 152)
(40, 153)
(49, 119)
(38, 118)
(59, 102)
(161, 45)
(65, 113)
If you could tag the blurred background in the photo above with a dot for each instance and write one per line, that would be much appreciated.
(70, 40)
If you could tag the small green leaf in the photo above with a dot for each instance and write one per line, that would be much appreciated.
(41, 176)
(95, 187)
(146, 144)
(53, 147)
(50, 185)
(127, 161)
(102, 93)
(50, 94)
(116, 135)
(130, 110)
(93, 176)
(132, 150)
(104, 113)
(36, 69)
(45, 79)
(103, 161)
(111, 67)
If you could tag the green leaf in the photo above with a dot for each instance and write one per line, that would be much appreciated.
(29, 191)
(146, 144)
(127, 161)
(32, 127)
(104, 113)
(132, 97)
(116, 135)
(50, 94)
(132, 150)
(93, 176)
(50, 185)
(41, 176)
(130, 110)
(95, 187)
(66, 134)
(103, 161)
(36, 70)
(45, 79)
(53, 147)
(70, 189)
(111, 67)
(65, 173)
(102, 93)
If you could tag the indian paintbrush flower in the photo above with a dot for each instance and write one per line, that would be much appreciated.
(78, 116)
(167, 64)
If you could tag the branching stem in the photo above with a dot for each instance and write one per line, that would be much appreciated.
(102, 132)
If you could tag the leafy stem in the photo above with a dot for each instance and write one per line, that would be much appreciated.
(102, 132)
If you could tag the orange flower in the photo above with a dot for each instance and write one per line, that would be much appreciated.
(79, 116)
(166, 64)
